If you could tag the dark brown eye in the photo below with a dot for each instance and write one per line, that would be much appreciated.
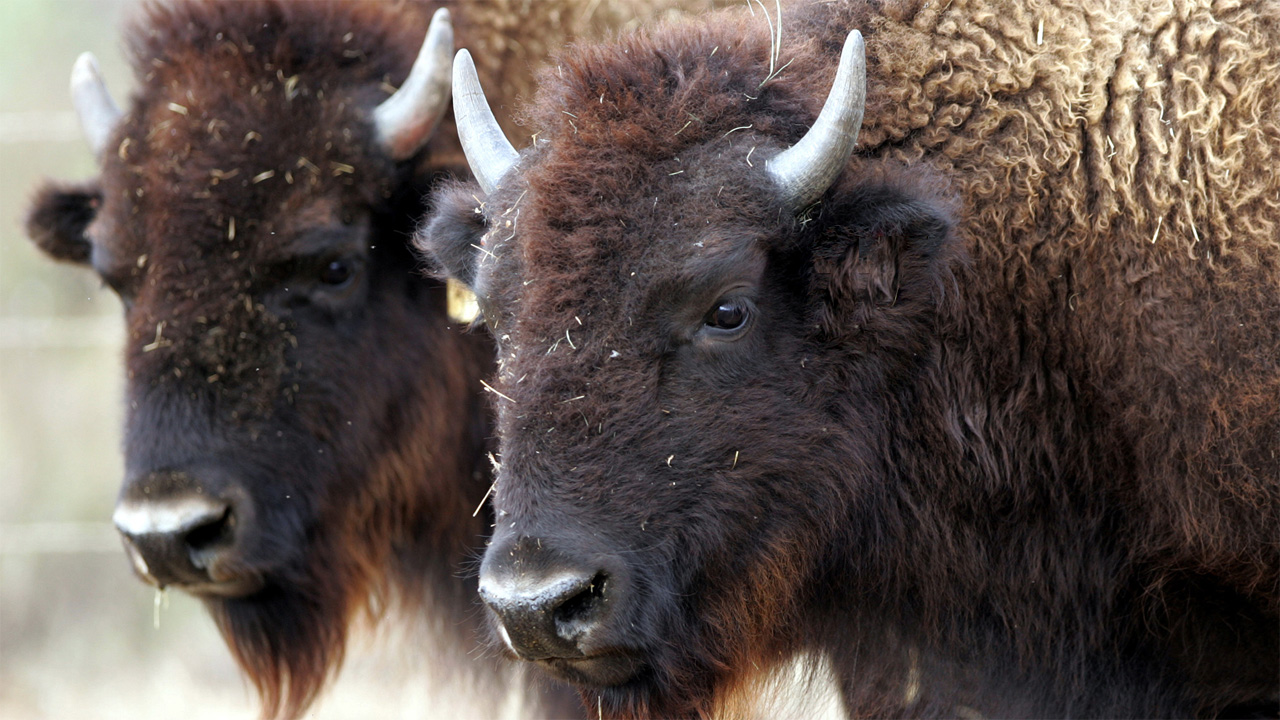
(337, 272)
(728, 316)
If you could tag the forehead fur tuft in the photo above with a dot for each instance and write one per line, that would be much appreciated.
(677, 85)
(654, 93)
(361, 40)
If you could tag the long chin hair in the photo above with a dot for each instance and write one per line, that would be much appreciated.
(290, 639)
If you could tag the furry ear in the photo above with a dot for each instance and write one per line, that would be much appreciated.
(58, 218)
(880, 242)
(448, 238)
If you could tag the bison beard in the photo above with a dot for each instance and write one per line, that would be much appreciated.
(288, 639)
(989, 422)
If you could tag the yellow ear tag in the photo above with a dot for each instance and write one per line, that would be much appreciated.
(462, 302)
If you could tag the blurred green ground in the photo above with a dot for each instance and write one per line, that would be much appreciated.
(76, 628)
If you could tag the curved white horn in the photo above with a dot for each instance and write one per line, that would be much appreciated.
(488, 151)
(404, 121)
(804, 171)
(97, 111)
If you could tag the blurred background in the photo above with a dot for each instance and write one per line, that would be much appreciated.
(78, 633)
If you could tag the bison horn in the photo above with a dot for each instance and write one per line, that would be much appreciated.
(804, 171)
(405, 120)
(98, 112)
(488, 151)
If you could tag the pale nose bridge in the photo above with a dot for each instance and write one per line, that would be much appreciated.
(166, 515)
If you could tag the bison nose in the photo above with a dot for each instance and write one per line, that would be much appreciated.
(545, 615)
(177, 540)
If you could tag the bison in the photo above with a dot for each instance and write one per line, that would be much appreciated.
(304, 435)
(940, 369)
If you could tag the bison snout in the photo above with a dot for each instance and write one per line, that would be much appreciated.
(546, 606)
(545, 617)
(185, 539)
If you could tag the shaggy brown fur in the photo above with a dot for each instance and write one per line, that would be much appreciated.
(1001, 434)
(347, 412)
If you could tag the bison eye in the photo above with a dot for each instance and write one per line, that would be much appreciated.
(729, 316)
(337, 272)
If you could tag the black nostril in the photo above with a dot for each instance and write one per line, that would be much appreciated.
(215, 531)
(580, 608)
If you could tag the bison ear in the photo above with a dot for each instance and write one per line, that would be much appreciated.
(58, 218)
(880, 243)
(449, 238)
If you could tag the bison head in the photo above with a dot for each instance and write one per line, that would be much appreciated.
(678, 273)
(300, 417)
